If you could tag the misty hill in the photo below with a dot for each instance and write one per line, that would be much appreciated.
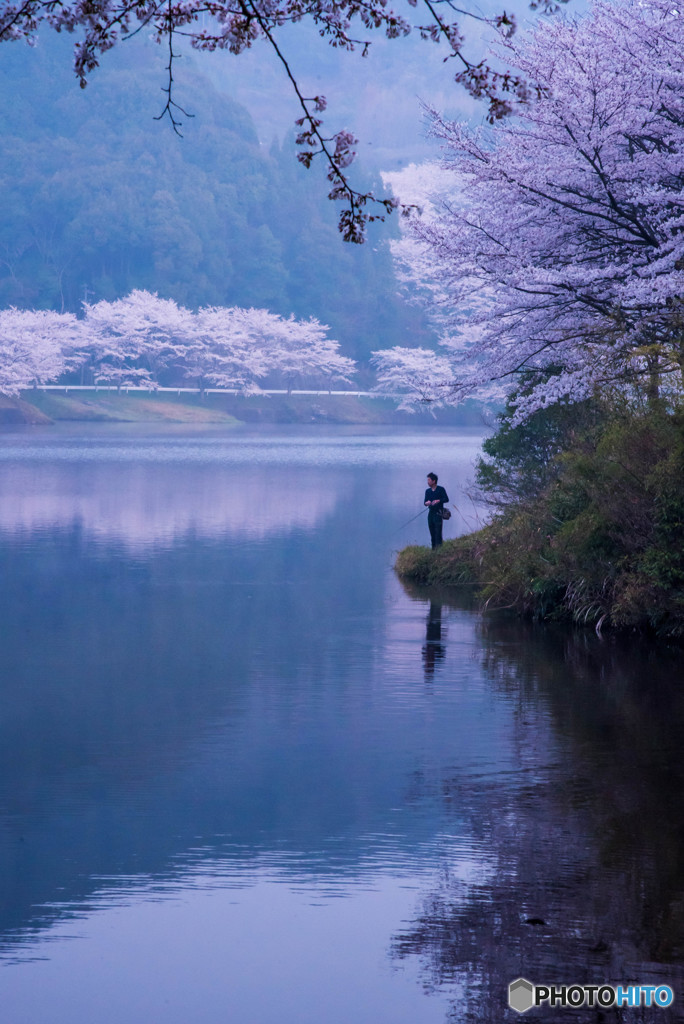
(98, 198)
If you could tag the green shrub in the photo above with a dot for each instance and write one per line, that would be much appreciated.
(595, 534)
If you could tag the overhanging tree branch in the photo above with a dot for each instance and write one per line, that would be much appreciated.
(238, 25)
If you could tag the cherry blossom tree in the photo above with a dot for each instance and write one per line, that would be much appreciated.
(235, 348)
(36, 346)
(412, 375)
(237, 26)
(132, 340)
(299, 350)
(223, 351)
(561, 255)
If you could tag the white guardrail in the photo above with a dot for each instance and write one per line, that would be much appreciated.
(124, 389)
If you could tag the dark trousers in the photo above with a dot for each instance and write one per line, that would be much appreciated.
(435, 524)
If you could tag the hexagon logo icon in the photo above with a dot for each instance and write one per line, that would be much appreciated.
(521, 995)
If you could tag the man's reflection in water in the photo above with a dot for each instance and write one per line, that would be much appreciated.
(433, 648)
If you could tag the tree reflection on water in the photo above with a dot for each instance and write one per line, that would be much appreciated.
(587, 841)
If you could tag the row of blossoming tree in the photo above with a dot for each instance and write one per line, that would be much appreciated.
(145, 340)
(553, 242)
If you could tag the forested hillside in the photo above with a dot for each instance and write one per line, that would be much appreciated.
(99, 199)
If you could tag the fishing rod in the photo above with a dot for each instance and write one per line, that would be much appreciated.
(412, 520)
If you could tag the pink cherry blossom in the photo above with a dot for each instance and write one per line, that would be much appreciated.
(561, 251)
(36, 346)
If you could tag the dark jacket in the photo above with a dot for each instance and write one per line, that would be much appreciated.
(440, 495)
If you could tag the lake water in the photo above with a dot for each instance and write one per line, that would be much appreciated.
(248, 777)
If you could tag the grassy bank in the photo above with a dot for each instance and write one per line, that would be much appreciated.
(587, 526)
(100, 406)
(15, 411)
(111, 407)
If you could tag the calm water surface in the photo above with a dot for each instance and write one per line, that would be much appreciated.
(247, 777)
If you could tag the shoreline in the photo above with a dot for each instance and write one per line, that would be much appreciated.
(45, 407)
(485, 566)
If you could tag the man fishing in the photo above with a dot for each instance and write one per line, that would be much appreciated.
(435, 500)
